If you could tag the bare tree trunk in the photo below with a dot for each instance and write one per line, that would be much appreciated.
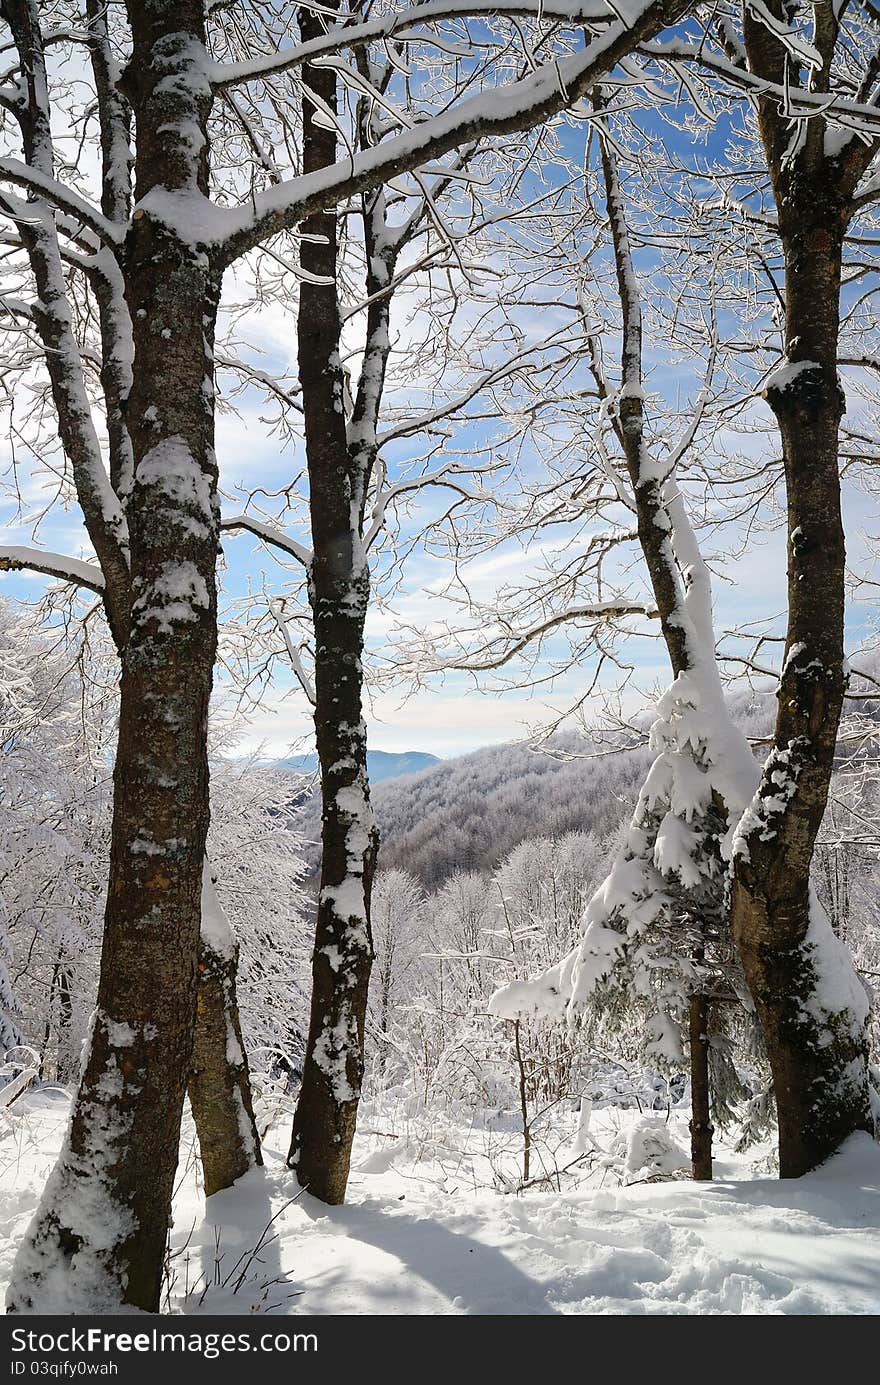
(65, 1067)
(385, 976)
(523, 1103)
(59, 987)
(326, 1112)
(818, 1056)
(806, 994)
(219, 1083)
(701, 1127)
(47, 1027)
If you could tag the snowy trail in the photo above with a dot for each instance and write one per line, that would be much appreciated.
(405, 1245)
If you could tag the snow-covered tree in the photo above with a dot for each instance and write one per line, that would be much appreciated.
(400, 939)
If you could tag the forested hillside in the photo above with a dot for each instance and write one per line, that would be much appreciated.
(469, 812)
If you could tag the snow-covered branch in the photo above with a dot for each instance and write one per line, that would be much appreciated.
(400, 28)
(62, 198)
(269, 534)
(293, 653)
(514, 641)
(521, 105)
(66, 569)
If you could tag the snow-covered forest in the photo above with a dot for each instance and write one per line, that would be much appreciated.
(498, 384)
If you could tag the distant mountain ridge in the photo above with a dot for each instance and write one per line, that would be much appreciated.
(381, 764)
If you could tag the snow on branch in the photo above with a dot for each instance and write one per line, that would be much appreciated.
(517, 640)
(400, 28)
(791, 39)
(521, 105)
(446, 476)
(82, 574)
(62, 198)
(264, 378)
(293, 653)
(794, 102)
(270, 534)
(410, 426)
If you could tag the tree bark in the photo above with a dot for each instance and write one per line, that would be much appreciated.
(219, 1083)
(818, 1057)
(219, 1086)
(59, 988)
(701, 1127)
(817, 1047)
(326, 1112)
(523, 1103)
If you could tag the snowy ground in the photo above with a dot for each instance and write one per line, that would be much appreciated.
(426, 1232)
